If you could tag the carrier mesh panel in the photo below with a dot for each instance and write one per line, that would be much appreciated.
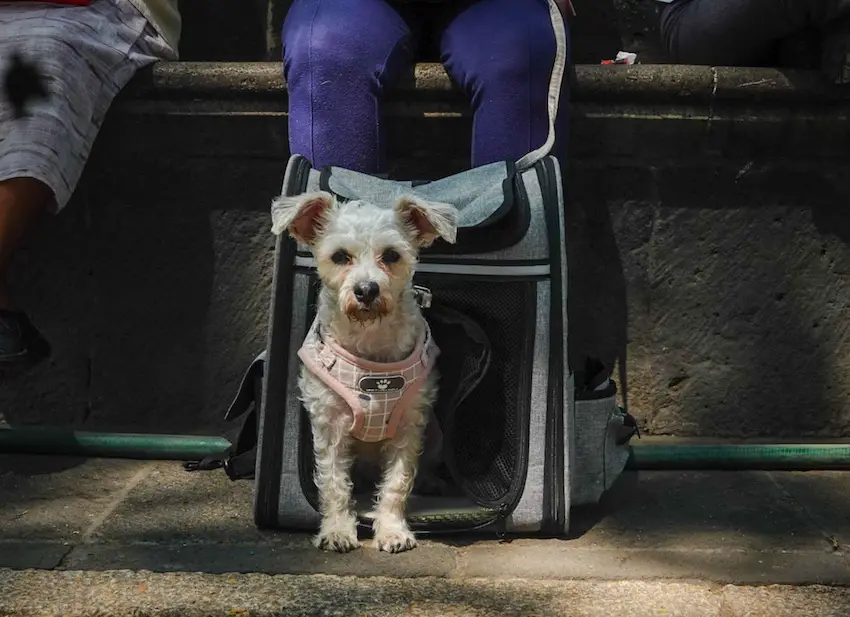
(487, 431)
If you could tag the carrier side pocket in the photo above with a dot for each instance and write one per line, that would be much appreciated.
(602, 435)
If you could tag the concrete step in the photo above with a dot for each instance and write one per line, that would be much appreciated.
(143, 594)
(115, 537)
(62, 513)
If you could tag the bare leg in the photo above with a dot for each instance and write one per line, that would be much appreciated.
(22, 200)
(332, 448)
(400, 459)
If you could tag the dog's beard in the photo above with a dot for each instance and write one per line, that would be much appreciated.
(376, 311)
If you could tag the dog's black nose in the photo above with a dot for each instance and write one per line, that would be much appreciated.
(367, 292)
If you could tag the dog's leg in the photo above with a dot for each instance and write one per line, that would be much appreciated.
(400, 459)
(332, 449)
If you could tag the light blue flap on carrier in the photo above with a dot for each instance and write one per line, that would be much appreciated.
(482, 195)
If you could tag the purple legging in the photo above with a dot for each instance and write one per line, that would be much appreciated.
(340, 56)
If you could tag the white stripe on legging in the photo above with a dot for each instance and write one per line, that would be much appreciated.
(555, 81)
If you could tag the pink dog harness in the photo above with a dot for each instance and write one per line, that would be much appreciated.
(377, 392)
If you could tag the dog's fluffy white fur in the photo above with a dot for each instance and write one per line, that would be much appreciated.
(359, 243)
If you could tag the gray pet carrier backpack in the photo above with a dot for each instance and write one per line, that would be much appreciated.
(517, 447)
(524, 438)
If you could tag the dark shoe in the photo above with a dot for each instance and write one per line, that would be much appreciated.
(20, 343)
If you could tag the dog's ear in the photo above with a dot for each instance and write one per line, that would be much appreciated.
(303, 216)
(428, 220)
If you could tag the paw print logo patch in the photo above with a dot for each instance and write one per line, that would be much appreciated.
(385, 383)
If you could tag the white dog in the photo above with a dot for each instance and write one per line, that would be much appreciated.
(367, 378)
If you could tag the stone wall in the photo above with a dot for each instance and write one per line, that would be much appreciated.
(707, 233)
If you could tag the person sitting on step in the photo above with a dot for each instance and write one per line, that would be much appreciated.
(73, 57)
(341, 57)
(745, 32)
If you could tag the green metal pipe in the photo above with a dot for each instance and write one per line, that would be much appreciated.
(799, 456)
(56, 441)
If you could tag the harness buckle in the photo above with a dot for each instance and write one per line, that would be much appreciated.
(423, 296)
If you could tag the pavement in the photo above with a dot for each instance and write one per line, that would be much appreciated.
(117, 537)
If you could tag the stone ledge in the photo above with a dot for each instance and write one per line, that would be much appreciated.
(639, 83)
(644, 113)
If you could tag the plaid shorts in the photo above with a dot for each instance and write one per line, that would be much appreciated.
(88, 54)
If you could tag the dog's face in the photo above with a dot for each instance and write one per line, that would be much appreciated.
(364, 253)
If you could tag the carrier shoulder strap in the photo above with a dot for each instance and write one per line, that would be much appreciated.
(239, 461)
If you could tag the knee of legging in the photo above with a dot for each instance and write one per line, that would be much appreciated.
(521, 70)
(325, 55)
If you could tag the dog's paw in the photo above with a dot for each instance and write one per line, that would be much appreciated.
(396, 541)
(339, 541)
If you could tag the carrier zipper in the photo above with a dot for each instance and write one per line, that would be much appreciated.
(303, 175)
(555, 413)
(502, 523)
(558, 301)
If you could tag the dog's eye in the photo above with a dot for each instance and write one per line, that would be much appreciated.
(390, 257)
(341, 258)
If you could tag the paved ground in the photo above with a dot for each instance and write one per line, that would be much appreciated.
(688, 543)
(77, 594)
